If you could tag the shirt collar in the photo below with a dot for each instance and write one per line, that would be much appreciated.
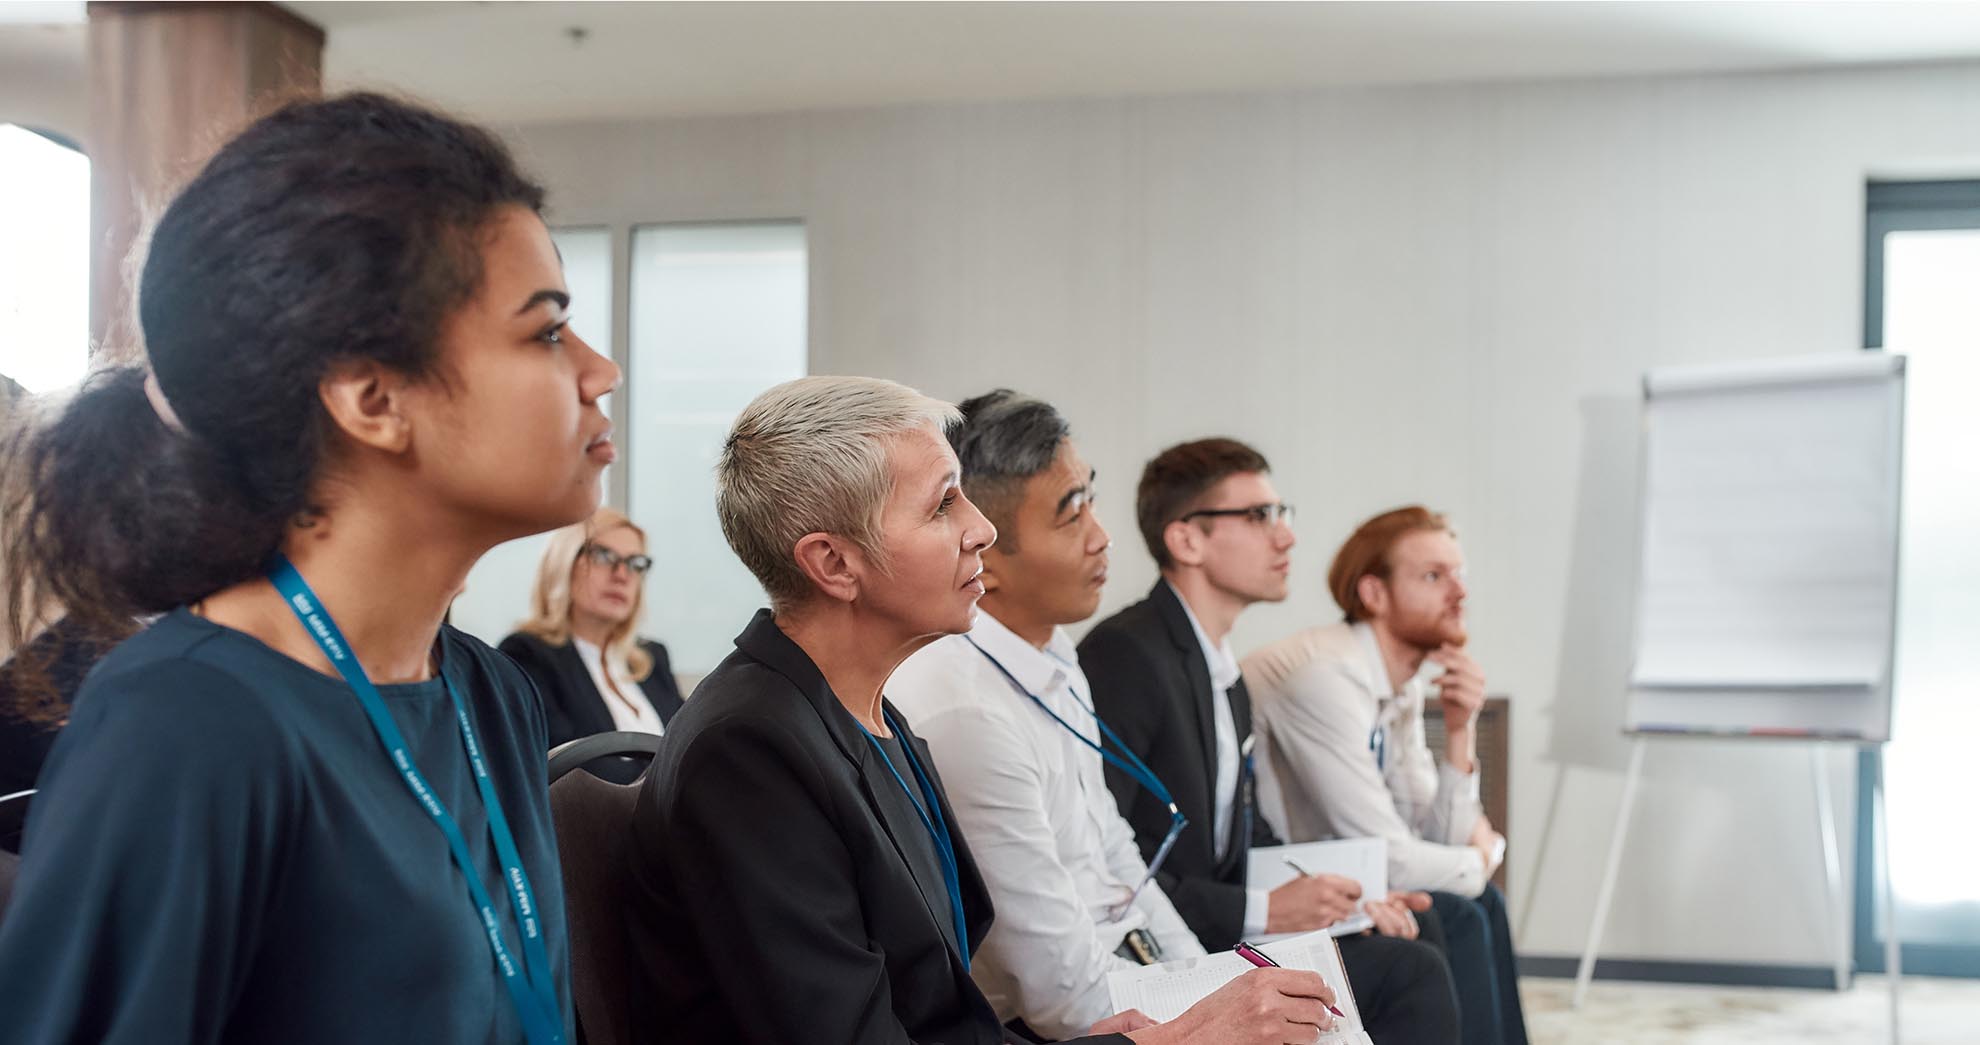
(1038, 671)
(1222, 662)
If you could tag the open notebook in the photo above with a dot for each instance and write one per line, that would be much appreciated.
(1165, 991)
(1366, 860)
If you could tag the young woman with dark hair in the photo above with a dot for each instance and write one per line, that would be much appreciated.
(297, 807)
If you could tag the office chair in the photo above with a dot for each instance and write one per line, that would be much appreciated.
(594, 822)
(13, 814)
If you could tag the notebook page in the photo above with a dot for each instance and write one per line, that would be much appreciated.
(1167, 990)
(1366, 860)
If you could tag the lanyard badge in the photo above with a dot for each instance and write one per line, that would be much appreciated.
(530, 987)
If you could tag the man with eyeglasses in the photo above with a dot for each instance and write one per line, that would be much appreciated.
(1344, 752)
(1165, 679)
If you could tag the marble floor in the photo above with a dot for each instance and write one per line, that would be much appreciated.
(1934, 1012)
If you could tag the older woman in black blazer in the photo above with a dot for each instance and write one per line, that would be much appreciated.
(797, 873)
(581, 645)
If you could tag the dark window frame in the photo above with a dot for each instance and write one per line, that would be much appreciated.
(1900, 206)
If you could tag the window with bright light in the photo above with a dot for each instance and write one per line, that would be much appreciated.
(718, 316)
(1922, 265)
(44, 260)
(1932, 315)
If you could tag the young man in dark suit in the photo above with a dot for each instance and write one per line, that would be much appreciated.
(1164, 677)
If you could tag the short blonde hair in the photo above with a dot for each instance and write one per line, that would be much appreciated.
(811, 456)
(550, 602)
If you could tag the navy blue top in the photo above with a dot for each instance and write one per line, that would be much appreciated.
(221, 852)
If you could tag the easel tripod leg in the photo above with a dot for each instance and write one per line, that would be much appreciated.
(1607, 894)
(1825, 814)
(1893, 955)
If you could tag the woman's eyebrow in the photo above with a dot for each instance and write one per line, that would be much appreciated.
(562, 299)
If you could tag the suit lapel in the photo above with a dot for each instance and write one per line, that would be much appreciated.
(766, 642)
(872, 775)
(586, 716)
(1197, 671)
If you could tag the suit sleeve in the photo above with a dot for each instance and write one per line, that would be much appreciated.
(1132, 699)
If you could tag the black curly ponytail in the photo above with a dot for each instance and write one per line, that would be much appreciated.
(329, 230)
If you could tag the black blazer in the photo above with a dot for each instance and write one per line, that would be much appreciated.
(772, 900)
(1152, 685)
(572, 705)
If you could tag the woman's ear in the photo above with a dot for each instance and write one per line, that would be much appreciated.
(831, 564)
(367, 402)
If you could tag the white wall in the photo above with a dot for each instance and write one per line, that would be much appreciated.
(1442, 294)
(41, 78)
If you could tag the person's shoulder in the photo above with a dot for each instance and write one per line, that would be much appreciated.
(483, 657)
(520, 644)
(743, 694)
(183, 657)
(1269, 665)
(947, 675)
(745, 717)
(1318, 666)
(184, 685)
(1136, 625)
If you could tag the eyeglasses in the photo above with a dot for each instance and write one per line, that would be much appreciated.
(1262, 514)
(606, 559)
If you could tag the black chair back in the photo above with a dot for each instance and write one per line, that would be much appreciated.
(13, 819)
(594, 821)
(13, 816)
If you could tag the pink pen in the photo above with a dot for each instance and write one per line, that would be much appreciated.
(1260, 959)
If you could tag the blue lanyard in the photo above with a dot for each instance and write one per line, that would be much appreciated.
(531, 991)
(1378, 742)
(1127, 760)
(938, 827)
(1129, 763)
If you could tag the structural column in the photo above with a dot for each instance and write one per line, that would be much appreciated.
(168, 83)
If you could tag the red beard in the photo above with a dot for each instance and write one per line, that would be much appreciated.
(1429, 632)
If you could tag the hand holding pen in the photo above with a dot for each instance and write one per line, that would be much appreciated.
(1311, 901)
(1264, 961)
(1265, 1006)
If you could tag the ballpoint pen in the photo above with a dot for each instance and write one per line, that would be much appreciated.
(1264, 961)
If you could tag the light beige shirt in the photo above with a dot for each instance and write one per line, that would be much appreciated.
(1345, 757)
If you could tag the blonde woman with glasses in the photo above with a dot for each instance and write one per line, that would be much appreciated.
(581, 645)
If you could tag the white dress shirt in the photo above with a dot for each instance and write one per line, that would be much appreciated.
(1224, 674)
(1346, 757)
(1033, 804)
(634, 713)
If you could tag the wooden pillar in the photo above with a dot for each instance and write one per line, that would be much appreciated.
(168, 83)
